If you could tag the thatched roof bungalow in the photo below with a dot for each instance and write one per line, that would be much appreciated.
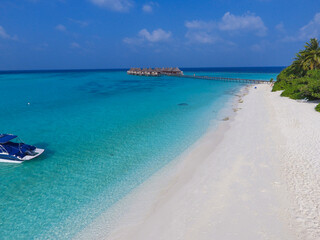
(155, 72)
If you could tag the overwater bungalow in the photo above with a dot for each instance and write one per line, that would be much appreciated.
(155, 72)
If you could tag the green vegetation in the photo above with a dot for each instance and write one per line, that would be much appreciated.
(301, 80)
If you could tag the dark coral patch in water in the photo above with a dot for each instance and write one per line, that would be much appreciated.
(183, 104)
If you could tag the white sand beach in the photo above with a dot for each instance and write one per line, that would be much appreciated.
(255, 177)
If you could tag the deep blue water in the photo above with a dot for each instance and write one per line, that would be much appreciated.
(240, 70)
(104, 133)
(261, 70)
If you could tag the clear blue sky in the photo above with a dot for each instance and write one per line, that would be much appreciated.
(71, 34)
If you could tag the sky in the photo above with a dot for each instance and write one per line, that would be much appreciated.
(104, 34)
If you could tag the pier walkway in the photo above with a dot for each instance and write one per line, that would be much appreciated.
(252, 81)
(176, 72)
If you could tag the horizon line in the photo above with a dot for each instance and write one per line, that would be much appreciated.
(117, 69)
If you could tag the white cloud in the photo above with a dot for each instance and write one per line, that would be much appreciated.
(75, 45)
(61, 28)
(310, 30)
(147, 8)
(115, 5)
(197, 24)
(280, 27)
(157, 35)
(202, 32)
(133, 41)
(5, 35)
(248, 22)
(209, 31)
(202, 37)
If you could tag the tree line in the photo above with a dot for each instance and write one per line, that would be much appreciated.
(301, 80)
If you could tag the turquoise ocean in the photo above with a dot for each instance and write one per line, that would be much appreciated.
(104, 132)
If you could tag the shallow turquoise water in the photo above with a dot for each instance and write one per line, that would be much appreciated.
(104, 133)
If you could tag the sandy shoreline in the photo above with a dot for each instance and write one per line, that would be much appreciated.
(255, 177)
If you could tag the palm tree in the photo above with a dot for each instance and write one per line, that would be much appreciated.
(296, 67)
(313, 45)
(307, 59)
(311, 60)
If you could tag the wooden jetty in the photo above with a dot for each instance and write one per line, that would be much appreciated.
(253, 81)
(176, 72)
